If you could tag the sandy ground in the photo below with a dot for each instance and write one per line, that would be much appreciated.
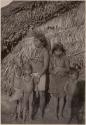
(49, 117)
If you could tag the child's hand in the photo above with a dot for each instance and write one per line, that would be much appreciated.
(65, 87)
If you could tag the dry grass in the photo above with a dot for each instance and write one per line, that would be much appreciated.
(17, 17)
(67, 26)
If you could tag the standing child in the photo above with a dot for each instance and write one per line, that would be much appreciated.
(59, 66)
(18, 92)
(39, 60)
(28, 90)
(70, 90)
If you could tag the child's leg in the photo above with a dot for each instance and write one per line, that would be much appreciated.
(15, 114)
(19, 106)
(16, 96)
(68, 103)
(30, 105)
(57, 111)
(61, 105)
(25, 101)
(68, 108)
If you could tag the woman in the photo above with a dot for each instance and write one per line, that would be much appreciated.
(39, 60)
(59, 66)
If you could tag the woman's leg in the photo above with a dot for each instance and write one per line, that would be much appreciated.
(42, 102)
(57, 111)
(41, 89)
(25, 101)
(30, 105)
(19, 107)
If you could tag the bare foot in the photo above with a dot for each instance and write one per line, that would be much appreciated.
(60, 116)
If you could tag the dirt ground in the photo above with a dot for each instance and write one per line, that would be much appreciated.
(49, 116)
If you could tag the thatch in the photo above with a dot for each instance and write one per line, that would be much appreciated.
(58, 21)
(17, 17)
(20, 20)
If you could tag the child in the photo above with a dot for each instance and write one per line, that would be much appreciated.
(39, 60)
(17, 87)
(28, 90)
(71, 88)
(59, 67)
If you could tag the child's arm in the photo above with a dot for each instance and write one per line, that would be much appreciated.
(11, 83)
(66, 87)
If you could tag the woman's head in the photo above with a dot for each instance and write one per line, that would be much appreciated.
(39, 39)
(58, 49)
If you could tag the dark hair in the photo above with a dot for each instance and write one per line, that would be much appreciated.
(18, 69)
(40, 36)
(58, 46)
(74, 71)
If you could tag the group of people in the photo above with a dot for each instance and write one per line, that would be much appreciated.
(31, 77)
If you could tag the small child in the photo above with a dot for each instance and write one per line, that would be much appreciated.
(17, 87)
(70, 88)
(28, 90)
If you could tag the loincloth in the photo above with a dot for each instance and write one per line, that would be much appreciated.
(42, 83)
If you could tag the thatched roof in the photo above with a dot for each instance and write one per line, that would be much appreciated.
(17, 17)
(16, 20)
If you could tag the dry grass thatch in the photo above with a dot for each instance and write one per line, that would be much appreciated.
(18, 16)
(58, 21)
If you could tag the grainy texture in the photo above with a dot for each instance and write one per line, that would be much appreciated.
(58, 21)
(17, 17)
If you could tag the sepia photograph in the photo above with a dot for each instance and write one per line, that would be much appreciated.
(42, 62)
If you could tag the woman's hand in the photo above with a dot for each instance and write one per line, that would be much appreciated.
(36, 76)
(60, 69)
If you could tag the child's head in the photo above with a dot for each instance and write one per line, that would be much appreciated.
(39, 40)
(18, 70)
(58, 49)
(73, 73)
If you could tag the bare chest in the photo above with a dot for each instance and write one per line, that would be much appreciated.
(37, 56)
(58, 62)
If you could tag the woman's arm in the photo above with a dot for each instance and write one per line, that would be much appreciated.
(51, 70)
(67, 64)
(46, 62)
